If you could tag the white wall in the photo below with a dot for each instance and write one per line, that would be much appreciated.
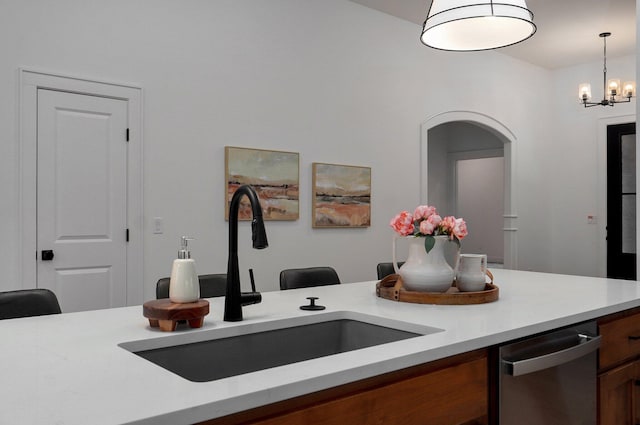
(576, 163)
(332, 80)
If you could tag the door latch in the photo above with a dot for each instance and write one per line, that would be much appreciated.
(47, 255)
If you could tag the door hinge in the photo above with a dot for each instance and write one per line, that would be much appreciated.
(127, 235)
(127, 134)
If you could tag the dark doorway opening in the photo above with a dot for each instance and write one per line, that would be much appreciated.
(621, 201)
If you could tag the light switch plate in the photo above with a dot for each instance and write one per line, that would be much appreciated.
(158, 225)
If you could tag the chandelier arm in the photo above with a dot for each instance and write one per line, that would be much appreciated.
(603, 102)
(627, 100)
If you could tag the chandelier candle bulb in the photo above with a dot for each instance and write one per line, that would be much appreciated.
(584, 91)
(614, 87)
(628, 89)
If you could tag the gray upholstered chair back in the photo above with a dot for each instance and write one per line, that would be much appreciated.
(308, 277)
(211, 285)
(28, 302)
(385, 269)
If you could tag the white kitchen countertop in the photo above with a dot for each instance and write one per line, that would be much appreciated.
(68, 369)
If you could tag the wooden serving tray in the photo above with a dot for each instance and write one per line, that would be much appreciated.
(391, 288)
(166, 315)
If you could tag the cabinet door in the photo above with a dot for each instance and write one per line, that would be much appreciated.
(620, 340)
(451, 396)
(618, 394)
(449, 391)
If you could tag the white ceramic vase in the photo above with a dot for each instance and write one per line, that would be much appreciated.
(425, 272)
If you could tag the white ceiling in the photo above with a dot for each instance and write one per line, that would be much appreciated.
(567, 29)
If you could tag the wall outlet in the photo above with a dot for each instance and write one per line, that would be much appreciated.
(158, 225)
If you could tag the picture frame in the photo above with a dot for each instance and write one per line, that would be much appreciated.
(341, 196)
(275, 176)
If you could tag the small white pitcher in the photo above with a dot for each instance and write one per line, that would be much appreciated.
(471, 272)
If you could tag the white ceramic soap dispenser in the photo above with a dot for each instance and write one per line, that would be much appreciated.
(184, 286)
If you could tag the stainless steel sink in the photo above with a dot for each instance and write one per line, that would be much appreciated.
(221, 353)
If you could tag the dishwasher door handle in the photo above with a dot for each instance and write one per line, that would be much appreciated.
(586, 345)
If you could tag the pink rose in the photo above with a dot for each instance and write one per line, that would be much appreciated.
(460, 229)
(447, 224)
(426, 227)
(402, 223)
(423, 212)
(435, 219)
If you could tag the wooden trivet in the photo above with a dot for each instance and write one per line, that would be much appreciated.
(391, 288)
(165, 314)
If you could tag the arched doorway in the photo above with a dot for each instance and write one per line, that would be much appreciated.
(508, 138)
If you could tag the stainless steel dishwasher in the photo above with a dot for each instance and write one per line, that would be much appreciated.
(550, 379)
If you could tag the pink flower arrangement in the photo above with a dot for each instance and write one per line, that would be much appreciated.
(426, 222)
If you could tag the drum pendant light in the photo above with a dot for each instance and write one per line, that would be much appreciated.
(471, 25)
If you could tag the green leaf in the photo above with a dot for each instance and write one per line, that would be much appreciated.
(429, 243)
(457, 241)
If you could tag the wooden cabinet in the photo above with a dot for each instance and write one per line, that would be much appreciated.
(618, 395)
(620, 339)
(619, 369)
(451, 391)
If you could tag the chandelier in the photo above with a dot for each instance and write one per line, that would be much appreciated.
(613, 92)
(471, 25)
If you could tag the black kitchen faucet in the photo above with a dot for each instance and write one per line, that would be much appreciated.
(235, 299)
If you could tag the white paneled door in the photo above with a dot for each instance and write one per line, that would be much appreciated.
(82, 199)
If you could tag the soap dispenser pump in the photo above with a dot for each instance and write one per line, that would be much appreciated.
(184, 286)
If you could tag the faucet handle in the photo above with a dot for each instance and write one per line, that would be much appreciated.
(253, 282)
(248, 298)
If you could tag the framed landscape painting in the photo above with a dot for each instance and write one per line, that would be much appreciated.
(273, 174)
(341, 195)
